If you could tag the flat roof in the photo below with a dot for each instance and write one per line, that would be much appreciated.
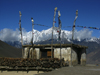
(55, 45)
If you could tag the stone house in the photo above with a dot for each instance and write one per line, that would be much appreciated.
(44, 51)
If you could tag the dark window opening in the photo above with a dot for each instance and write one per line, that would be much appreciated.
(46, 53)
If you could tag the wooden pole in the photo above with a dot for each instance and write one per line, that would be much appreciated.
(59, 27)
(73, 29)
(32, 34)
(21, 31)
(52, 32)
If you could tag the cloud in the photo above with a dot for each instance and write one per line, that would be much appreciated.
(79, 35)
(83, 34)
(11, 35)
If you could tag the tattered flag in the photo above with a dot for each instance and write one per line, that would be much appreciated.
(19, 20)
(84, 27)
(73, 25)
(59, 14)
(54, 21)
(59, 27)
(76, 17)
(58, 31)
(20, 27)
(59, 23)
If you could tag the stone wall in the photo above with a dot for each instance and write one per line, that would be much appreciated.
(38, 53)
(26, 51)
(31, 53)
(78, 54)
(66, 54)
(83, 57)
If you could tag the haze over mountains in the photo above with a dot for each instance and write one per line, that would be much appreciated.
(82, 37)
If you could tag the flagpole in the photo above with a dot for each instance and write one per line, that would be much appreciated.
(59, 26)
(52, 32)
(73, 35)
(32, 32)
(21, 31)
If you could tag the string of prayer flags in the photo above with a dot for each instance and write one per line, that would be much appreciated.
(82, 27)
(42, 25)
(89, 27)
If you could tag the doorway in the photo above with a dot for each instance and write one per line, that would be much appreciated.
(78, 52)
(46, 53)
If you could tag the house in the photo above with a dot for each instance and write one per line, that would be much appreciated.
(78, 54)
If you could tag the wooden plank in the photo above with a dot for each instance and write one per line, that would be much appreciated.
(54, 45)
(48, 53)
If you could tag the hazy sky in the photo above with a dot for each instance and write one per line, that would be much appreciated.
(42, 12)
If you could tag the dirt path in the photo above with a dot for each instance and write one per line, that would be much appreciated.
(19, 73)
(78, 70)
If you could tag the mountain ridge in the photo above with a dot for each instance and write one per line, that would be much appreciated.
(46, 35)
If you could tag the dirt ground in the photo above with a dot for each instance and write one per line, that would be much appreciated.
(76, 70)
(19, 73)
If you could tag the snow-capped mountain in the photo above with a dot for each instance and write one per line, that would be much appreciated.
(44, 35)
(39, 36)
(94, 39)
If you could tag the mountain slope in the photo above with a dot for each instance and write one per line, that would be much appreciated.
(94, 57)
(9, 51)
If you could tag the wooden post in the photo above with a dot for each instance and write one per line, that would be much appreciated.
(52, 32)
(59, 27)
(32, 35)
(73, 29)
(21, 31)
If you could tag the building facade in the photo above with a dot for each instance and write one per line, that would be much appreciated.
(67, 51)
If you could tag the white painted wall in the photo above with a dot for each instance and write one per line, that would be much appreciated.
(83, 56)
(31, 52)
(65, 53)
(26, 50)
(38, 52)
